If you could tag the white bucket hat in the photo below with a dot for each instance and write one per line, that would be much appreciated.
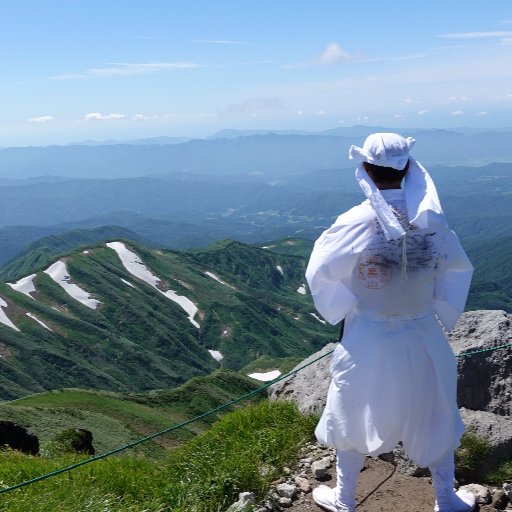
(384, 149)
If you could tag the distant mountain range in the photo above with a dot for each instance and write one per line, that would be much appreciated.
(91, 320)
(242, 153)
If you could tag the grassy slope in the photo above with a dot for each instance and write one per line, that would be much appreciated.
(115, 419)
(245, 450)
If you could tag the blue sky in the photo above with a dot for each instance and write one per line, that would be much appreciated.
(80, 69)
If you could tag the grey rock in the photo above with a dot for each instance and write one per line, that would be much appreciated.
(498, 432)
(303, 484)
(245, 500)
(482, 493)
(499, 499)
(285, 502)
(320, 467)
(508, 490)
(310, 399)
(287, 491)
(484, 379)
(403, 464)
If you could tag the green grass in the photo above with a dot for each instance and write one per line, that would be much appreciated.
(502, 474)
(244, 451)
(471, 454)
(116, 419)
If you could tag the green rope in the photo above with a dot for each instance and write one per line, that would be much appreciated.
(465, 354)
(196, 418)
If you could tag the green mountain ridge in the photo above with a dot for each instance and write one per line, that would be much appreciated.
(137, 340)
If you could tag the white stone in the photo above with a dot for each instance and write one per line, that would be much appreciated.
(245, 501)
(482, 493)
(287, 491)
(320, 467)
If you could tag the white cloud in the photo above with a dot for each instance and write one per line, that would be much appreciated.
(457, 113)
(422, 112)
(399, 117)
(321, 113)
(482, 114)
(506, 41)
(476, 35)
(334, 54)
(41, 119)
(129, 69)
(300, 113)
(96, 116)
(140, 117)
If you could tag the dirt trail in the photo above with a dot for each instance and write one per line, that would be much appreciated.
(381, 489)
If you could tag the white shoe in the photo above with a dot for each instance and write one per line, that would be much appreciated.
(465, 503)
(325, 497)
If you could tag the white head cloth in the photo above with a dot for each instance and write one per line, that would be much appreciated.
(423, 205)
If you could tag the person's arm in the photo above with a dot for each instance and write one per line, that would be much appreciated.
(453, 281)
(331, 264)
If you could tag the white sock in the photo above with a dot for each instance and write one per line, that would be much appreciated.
(348, 466)
(443, 476)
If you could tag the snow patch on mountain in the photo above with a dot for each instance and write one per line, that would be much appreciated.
(216, 355)
(24, 285)
(127, 282)
(4, 319)
(59, 273)
(317, 317)
(136, 267)
(40, 322)
(218, 279)
(265, 377)
(280, 269)
(302, 289)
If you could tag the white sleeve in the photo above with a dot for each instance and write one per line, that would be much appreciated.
(331, 264)
(452, 282)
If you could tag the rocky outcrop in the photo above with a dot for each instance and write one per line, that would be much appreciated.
(18, 438)
(485, 378)
(309, 397)
(484, 384)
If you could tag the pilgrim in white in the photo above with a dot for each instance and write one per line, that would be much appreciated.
(399, 277)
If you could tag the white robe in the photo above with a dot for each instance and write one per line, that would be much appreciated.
(394, 374)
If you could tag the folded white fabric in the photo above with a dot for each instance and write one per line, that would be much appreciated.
(384, 149)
